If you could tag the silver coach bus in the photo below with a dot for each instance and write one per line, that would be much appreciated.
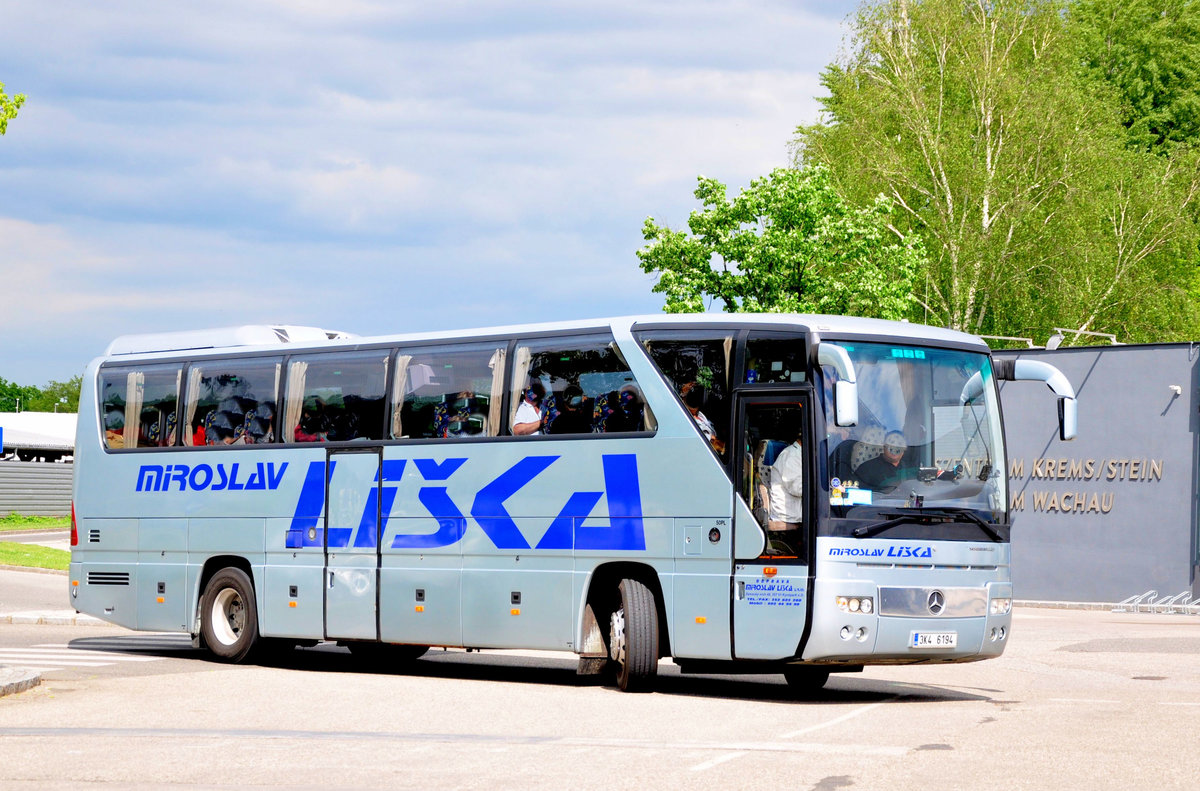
(743, 493)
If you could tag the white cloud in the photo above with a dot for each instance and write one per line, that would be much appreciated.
(376, 166)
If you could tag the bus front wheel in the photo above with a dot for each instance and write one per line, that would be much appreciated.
(229, 616)
(633, 637)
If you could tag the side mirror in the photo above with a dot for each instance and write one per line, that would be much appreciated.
(1038, 371)
(845, 403)
(1067, 419)
(845, 389)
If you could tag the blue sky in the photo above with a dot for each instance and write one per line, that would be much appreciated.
(374, 167)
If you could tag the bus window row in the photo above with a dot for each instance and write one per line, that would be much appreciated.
(563, 386)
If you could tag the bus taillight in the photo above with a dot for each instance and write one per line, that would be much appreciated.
(74, 530)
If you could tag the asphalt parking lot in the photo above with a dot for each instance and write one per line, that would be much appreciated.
(1081, 699)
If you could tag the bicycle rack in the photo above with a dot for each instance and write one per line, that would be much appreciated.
(1181, 603)
(1135, 603)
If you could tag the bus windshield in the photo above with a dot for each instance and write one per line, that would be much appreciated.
(928, 434)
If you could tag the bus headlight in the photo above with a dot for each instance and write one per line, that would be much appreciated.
(1001, 606)
(863, 604)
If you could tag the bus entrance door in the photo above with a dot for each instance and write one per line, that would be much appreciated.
(352, 544)
(774, 474)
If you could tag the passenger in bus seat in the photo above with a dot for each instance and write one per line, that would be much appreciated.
(529, 417)
(200, 432)
(313, 425)
(258, 430)
(602, 409)
(224, 429)
(151, 429)
(627, 412)
(453, 416)
(172, 421)
(257, 427)
(571, 417)
(693, 399)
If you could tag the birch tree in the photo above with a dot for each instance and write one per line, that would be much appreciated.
(978, 121)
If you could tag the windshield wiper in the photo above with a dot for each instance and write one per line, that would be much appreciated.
(866, 531)
(926, 516)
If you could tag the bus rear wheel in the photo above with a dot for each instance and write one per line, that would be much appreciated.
(633, 637)
(229, 615)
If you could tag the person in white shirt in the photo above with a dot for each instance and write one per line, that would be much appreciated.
(693, 398)
(787, 489)
(528, 420)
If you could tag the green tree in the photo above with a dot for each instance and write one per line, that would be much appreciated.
(9, 107)
(1004, 155)
(57, 397)
(786, 243)
(1148, 51)
(14, 396)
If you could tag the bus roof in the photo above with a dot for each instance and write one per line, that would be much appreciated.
(301, 336)
(221, 337)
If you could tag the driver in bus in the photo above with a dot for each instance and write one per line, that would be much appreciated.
(886, 470)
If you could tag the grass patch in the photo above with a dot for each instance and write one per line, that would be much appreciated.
(18, 522)
(33, 556)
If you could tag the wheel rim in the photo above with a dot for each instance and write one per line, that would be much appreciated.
(617, 636)
(228, 616)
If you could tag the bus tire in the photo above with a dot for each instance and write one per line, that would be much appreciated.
(633, 637)
(805, 680)
(229, 616)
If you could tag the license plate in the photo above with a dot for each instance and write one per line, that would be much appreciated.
(933, 640)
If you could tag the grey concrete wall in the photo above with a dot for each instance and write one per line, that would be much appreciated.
(35, 488)
(1113, 512)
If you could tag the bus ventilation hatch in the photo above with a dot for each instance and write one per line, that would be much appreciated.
(108, 578)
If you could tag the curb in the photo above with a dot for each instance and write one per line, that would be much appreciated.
(34, 570)
(1065, 605)
(63, 618)
(16, 679)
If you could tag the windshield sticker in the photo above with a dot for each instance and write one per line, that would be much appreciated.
(848, 493)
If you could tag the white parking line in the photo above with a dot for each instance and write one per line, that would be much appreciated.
(716, 761)
(836, 720)
(61, 655)
(58, 656)
(709, 764)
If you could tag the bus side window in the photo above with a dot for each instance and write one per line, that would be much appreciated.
(775, 360)
(698, 369)
(447, 393)
(576, 386)
(224, 399)
(139, 406)
(336, 397)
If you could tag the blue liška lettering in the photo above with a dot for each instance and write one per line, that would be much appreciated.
(882, 552)
(625, 529)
